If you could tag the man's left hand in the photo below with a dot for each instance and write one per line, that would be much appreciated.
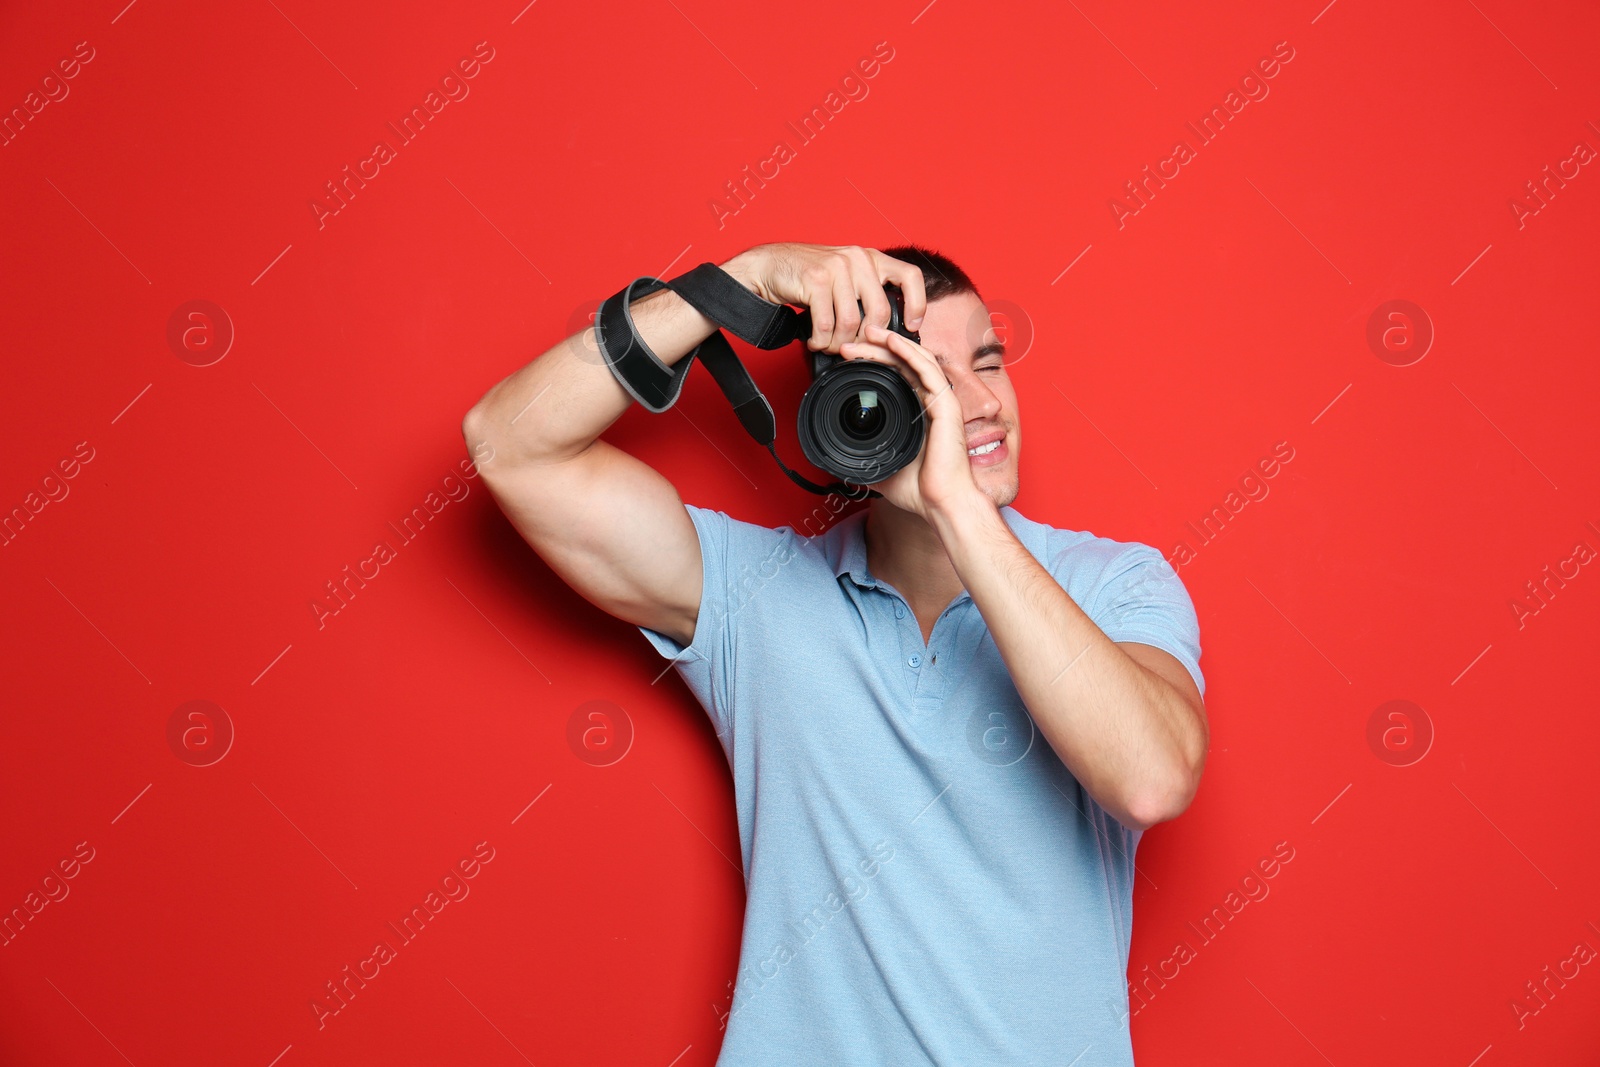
(941, 475)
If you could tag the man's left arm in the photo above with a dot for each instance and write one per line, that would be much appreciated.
(1125, 718)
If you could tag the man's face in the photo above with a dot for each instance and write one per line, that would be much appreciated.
(958, 331)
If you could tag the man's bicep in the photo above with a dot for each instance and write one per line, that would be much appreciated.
(613, 529)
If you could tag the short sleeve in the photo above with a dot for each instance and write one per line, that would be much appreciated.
(1143, 599)
(711, 527)
(729, 550)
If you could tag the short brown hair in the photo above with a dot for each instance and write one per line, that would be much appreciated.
(940, 276)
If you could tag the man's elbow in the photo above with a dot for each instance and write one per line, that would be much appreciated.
(1170, 795)
(472, 427)
(1168, 799)
(475, 432)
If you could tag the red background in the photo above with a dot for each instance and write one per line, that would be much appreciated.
(373, 752)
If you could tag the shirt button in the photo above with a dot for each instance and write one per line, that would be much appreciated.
(899, 611)
(915, 660)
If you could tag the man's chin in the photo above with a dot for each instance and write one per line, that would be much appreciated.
(1001, 492)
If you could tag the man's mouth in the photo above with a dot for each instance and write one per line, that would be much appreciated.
(990, 449)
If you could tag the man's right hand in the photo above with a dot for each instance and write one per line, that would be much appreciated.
(829, 280)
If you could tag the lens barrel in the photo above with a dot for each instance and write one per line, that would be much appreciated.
(860, 421)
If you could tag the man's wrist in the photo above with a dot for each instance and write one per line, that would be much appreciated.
(742, 270)
(968, 513)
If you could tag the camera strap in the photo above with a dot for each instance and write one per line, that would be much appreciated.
(714, 293)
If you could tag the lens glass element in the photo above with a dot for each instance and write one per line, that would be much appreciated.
(860, 416)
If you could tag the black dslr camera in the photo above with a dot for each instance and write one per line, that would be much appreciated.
(860, 420)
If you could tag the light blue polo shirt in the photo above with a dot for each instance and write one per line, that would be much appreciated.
(926, 882)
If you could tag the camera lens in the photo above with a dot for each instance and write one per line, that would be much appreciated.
(860, 421)
(861, 416)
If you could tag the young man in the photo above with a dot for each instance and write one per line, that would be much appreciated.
(948, 724)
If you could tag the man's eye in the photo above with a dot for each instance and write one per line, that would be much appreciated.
(991, 366)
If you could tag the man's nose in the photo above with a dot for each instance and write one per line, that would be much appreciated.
(978, 401)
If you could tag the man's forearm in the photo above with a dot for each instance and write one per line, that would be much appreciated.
(557, 405)
(1124, 732)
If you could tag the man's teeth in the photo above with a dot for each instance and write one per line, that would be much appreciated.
(984, 450)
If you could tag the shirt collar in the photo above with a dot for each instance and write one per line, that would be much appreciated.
(847, 545)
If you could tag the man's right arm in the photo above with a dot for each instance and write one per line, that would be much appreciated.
(611, 526)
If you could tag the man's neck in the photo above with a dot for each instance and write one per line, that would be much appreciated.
(903, 550)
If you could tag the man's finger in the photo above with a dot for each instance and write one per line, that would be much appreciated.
(874, 301)
(909, 280)
(846, 312)
(926, 379)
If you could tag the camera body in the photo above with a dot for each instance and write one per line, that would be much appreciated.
(860, 419)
